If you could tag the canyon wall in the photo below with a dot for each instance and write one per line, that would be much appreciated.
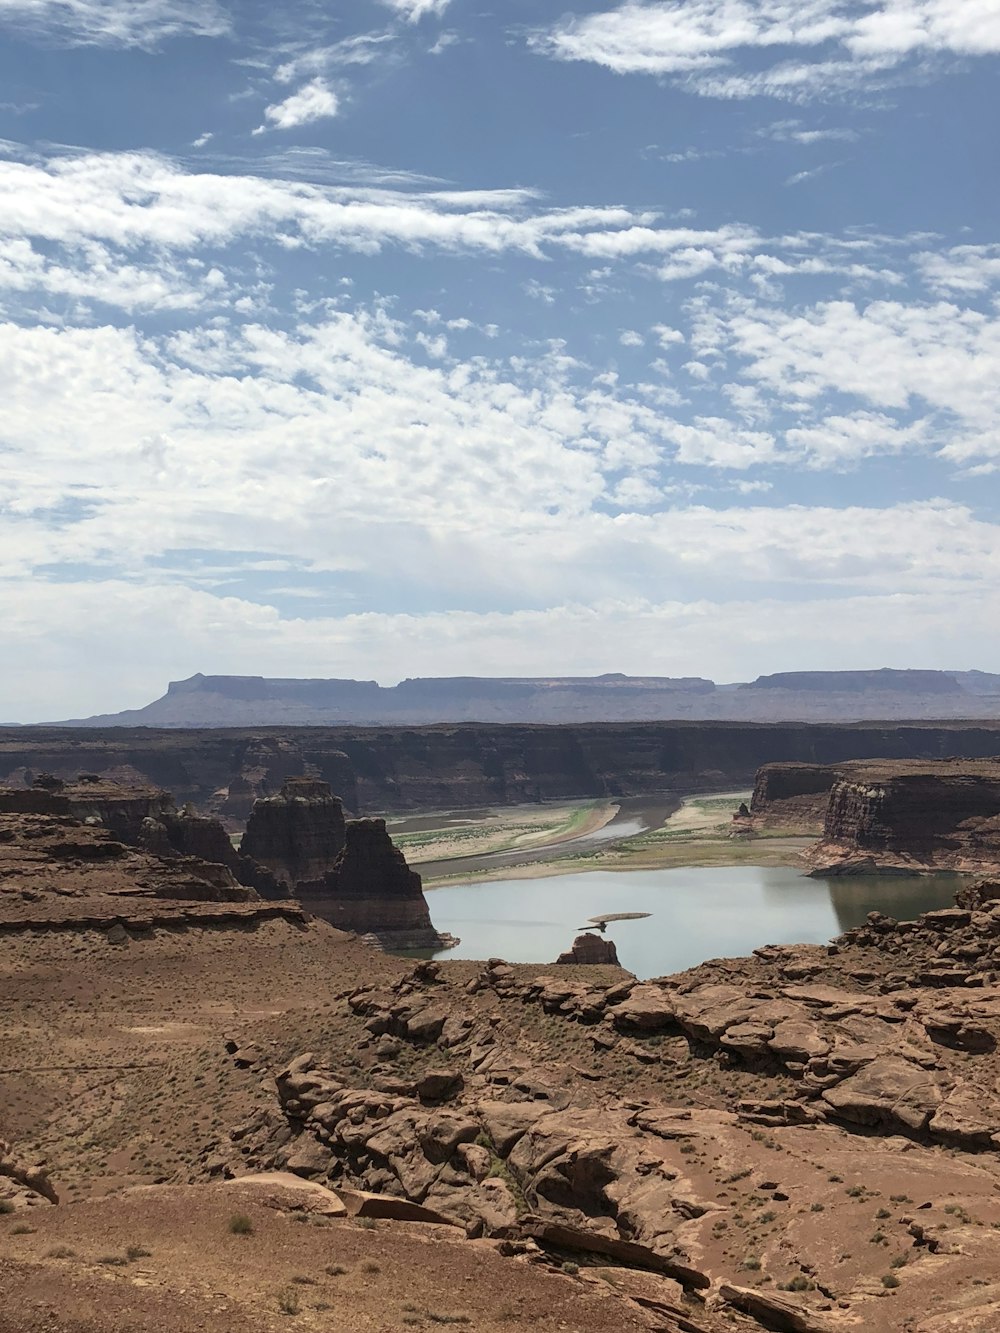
(376, 769)
(371, 890)
(888, 814)
(945, 814)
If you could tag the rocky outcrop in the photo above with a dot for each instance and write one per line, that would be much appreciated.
(54, 867)
(371, 890)
(761, 1206)
(909, 815)
(785, 794)
(298, 834)
(184, 833)
(33, 1178)
(590, 948)
(122, 810)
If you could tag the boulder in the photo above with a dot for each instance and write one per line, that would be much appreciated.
(590, 948)
(889, 1093)
(784, 1314)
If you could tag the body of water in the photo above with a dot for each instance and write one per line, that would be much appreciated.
(696, 913)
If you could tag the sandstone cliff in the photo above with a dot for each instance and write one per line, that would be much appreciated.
(371, 890)
(297, 834)
(910, 815)
(448, 767)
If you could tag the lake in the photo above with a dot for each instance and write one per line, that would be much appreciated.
(697, 913)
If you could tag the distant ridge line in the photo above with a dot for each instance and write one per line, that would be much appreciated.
(885, 693)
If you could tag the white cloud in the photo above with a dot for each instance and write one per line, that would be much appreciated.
(315, 100)
(715, 442)
(697, 41)
(963, 269)
(888, 354)
(142, 23)
(792, 131)
(631, 338)
(414, 10)
(846, 439)
(136, 200)
(362, 49)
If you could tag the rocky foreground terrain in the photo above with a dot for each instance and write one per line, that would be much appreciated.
(219, 1112)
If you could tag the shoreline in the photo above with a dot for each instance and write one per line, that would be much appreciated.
(696, 831)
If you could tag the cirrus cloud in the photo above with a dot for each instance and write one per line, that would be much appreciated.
(697, 41)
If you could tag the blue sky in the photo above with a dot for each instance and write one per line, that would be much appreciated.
(413, 337)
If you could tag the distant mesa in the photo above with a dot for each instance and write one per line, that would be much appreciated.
(885, 680)
(872, 695)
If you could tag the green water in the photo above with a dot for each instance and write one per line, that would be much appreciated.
(696, 913)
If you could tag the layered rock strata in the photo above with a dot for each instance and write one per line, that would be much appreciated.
(912, 816)
(792, 794)
(297, 834)
(448, 767)
(55, 868)
(371, 890)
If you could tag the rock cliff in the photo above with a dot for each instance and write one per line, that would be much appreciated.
(371, 890)
(297, 834)
(56, 868)
(448, 767)
(920, 816)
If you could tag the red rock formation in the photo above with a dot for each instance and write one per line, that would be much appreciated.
(299, 833)
(119, 809)
(373, 891)
(792, 796)
(910, 814)
(54, 867)
(590, 948)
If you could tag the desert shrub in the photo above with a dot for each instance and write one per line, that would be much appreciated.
(288, 1301)
(240, 1225)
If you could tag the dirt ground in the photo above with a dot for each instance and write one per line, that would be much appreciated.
(167, 1262)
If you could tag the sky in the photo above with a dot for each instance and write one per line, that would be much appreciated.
(391, 338)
